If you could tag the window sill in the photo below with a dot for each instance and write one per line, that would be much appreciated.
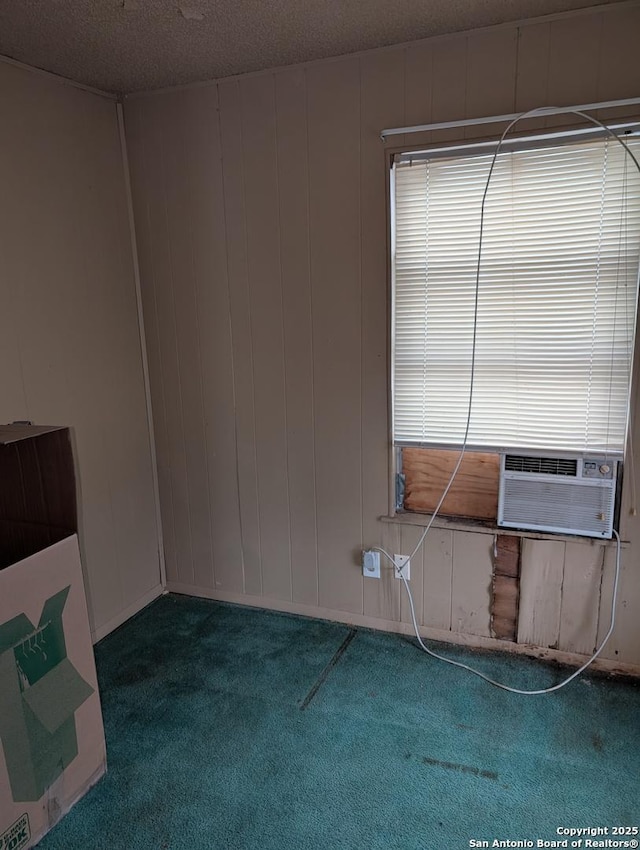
(487, 527)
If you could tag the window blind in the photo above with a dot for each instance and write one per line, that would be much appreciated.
(557, 297)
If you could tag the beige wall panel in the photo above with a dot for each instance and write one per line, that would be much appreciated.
(293, 186)
(382, 597)
(381, 77)
(574, 63)
(54, 313)
(126, 453)
(203, 155)
(142, 174)
(241, 323)
(604, 610)
(99, 237)
(491, 78)
(19, 187)
(580, 597)
(627, 628)
(262, 200)
(532, 83)
(418, 93)
(333, 92)
(38, 208)
(438, 578)
(541, 572)
(176, 140)
(69, 303)
(449, 97)
(136, 133)
(471, 583)
(409, 536)
(620, 78)
(301, 265)
(624, 643)
(163, 271)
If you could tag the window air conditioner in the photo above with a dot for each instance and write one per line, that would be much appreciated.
(571, 495)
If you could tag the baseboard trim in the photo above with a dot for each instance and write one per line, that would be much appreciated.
(129, 612)
(572, 659)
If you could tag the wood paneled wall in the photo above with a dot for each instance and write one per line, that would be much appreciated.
(261, 215)
(69, 343)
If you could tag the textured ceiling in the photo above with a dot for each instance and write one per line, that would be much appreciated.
(133, 45)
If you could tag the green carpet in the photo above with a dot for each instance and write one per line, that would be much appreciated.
(230, 727)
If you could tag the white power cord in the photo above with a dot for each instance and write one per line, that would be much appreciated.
(472, 370)
(488, 678)
(530, 114)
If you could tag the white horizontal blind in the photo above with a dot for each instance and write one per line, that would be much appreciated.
(557, 298)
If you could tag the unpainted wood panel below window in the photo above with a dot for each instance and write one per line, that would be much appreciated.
(475, 489)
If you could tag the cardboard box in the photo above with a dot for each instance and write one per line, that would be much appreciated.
(52, 739)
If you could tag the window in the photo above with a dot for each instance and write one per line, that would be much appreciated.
(556, 298)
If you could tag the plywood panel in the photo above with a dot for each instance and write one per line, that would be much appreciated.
(243, 356)
(203, 155)
(334, 173)
(381, 77)
(474, 492)
(506, 586)
(540, 592)
(506, 561)
(580, 597)
(471, 584)
(504, 607)
(262, 211)
(293, 188)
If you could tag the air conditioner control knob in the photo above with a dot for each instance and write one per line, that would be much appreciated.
(604, 469)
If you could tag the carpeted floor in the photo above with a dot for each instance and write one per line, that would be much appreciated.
(229, 727)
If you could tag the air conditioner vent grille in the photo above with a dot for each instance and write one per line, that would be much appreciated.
(544, 465)
(568, 507)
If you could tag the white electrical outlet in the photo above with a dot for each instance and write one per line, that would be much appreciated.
(370, 564)
(402, 566)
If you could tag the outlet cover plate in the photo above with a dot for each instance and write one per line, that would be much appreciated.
(402, 566)
(370, 564)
